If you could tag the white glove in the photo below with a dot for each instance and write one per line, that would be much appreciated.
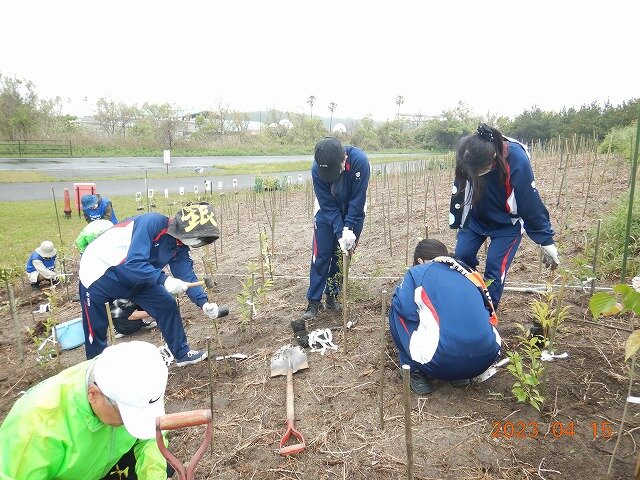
(175, 285)
(348, 240)
(210, 310)
(550, 256)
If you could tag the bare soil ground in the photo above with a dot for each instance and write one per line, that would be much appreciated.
(337, 397)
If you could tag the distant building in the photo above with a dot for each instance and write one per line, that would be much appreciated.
(339, 128)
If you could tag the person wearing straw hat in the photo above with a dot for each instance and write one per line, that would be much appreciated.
(96, 207)
(78, 423)
(494, 196)
(41, 265)
(340, 178)
(127, 261)
(442, 320)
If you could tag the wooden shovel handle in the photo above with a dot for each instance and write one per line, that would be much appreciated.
(196, 284)
(175, 421)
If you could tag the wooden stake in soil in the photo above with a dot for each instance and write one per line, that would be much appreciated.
(595, 257)
(383, 330)
(407, 420)
(14, 315)
(632, 189)
(210, 368)
(112, 333)
(345, 308)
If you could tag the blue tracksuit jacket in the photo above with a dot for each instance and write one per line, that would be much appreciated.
(339, 204)
(101, 212)
(126, 261)
(440, 325)
(505, 211)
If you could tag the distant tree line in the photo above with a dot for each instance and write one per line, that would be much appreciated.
(24, 115)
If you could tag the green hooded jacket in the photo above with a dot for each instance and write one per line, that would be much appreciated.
(52, 433)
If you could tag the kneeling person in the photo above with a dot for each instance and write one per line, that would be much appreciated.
(442, 320)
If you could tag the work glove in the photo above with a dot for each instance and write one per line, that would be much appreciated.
(175, 285)
(210, 310)
(348, 240)
(550, 256)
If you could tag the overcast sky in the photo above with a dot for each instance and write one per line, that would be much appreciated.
(495, 55)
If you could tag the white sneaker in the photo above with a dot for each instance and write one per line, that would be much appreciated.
(192, 356)
(149, 325)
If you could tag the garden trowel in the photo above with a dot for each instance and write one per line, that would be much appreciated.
(490, 372)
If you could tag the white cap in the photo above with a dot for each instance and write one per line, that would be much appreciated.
(134, 375)
(46, 249)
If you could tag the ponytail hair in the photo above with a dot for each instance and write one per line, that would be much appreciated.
(475, 154)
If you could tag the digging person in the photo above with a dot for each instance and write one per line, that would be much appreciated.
(77, 424)
(127, 260)
(442, 320)
(340, 179)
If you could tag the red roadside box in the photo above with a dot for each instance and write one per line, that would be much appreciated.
(81, 189)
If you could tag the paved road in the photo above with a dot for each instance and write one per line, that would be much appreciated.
(95, 168)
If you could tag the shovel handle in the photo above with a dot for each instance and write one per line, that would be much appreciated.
(196, 284)
(175, 421)
(296, 447)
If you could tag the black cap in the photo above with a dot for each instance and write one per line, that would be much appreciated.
(195, 221)
(329, 156)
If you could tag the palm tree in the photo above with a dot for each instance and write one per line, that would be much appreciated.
(399, 101)
(332, 107)
(311, 100)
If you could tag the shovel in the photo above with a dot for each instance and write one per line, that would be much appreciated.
(287, 361)
(176, 421)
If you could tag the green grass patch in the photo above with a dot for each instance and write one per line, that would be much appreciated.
(25, 176)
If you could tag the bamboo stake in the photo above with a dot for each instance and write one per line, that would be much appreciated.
(111, 332)
(253, 299)
(406, 239)
(586, 197)
(624, 413)
(407, 420)
(632, 188)
(435, 201)
(383, 329)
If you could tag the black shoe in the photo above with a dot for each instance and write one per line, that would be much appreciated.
(331, 303)
(302, 337)
(462, 383)
(420, 383)
(298, 325)
(312, 310)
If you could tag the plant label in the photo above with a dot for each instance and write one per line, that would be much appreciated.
(181, 190)
(150, 192)
(166, 193)
(220, 185)
(138, 196)
(195, 189)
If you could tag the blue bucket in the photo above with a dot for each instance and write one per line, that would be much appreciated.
(70, 334)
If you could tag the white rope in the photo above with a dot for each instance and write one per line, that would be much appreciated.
(546, 356)
(321, 339)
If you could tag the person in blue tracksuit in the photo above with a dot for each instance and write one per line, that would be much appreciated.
(442, 320)
(127, 260)
(340, 179)
(495, 196)
(96, 207)
(41, 265)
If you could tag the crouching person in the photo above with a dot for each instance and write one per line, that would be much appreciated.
(77, 424)
(442, 320)
(127, 261)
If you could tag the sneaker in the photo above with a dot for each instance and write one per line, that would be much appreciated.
(118, 334)
(420, 383)
(312, 310)
(331, 303)
(462, 383)
(149, 325)
(192, 356)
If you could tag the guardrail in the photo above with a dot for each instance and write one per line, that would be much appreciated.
(36, 147)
